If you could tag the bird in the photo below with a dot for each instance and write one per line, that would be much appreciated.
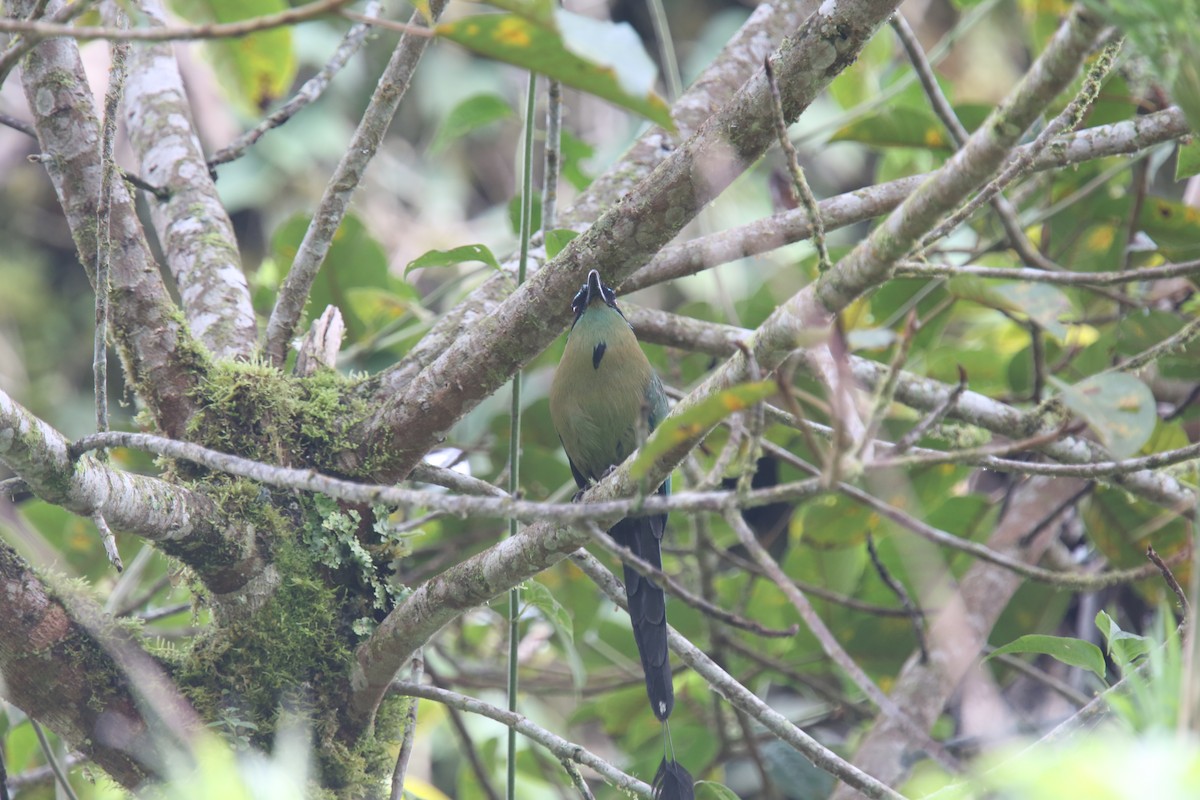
(604, 399)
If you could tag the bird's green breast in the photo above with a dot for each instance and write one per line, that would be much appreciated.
(602, 392)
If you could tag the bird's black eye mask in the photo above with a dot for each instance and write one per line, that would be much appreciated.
(580, 303)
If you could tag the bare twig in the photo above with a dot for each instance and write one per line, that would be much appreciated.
(21, 126)
(741, 697)
(312, 89)
(18, 125)
(552, 155)
(1102, 469)
(807, 198)
(921, 269)
(110, 542)
(577, 779)
(933, 417)
(987, 454)
(50, 30)
(19, 46)
(1169, 577)
(958, 134)
(677, 590)
(1172, 344)
(819, 591)
(389, 24)
(60, 774)
(491, 505)
(832, 647)
(1068, 502)
(155, 614)
(1068, 580)
(416, 668)
(560, 747)
(829, 690)
(1025, 157)
(914, 614)
(1062, 688)
(391, 88)
(42, 774)
(885, 391)
(457, 481)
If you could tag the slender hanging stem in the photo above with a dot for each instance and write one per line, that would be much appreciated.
(514, 440)
(552, 163)
(666, 50)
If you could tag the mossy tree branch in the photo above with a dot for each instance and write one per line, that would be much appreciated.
(57, 656)
(181, 522)
(195, 231)
(161, 359)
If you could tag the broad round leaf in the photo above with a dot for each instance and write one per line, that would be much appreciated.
(1118, 407)
(1073, 652)
(555, 53)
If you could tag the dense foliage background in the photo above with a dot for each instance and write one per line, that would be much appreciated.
(918, 559)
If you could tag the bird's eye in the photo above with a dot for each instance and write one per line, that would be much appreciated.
(577, 304)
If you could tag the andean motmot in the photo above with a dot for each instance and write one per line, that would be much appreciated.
(604, 400)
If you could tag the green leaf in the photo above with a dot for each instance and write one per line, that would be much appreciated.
(1118, 407)
(539, 11)
(719, 791)
(1041, 302)
(616, 47)
(574, 152)
(458, 255)
(833, 522)
(701, 417)
(1122, 527)
(557, 239)
(1187, 162)
(539, 596)
(1125, 648)
(1171, 225)
(599, 58)
(256, 69)
(377, 307)
(355, 259)
(471, 114)
(1073, 652)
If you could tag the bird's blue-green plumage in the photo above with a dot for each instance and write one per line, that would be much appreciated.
(604, 400)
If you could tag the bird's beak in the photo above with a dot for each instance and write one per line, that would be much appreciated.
(595, 289)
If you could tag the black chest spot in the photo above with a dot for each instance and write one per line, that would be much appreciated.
(597, 354)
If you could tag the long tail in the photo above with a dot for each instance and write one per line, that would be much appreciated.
(672, 782)
(648, 614)
(648, 609)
